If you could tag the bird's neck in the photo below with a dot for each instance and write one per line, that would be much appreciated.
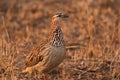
(56, 36)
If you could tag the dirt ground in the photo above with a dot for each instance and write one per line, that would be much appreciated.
(91, 35)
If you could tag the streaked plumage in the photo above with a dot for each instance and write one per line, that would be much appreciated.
(49, 53)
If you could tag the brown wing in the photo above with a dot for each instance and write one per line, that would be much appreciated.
(34, 56)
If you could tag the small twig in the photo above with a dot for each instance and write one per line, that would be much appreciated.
(6, 31)
(74, 46)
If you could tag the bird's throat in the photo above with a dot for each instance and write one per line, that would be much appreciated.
(56, 36)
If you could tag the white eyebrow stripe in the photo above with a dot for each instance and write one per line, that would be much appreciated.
(55, 16)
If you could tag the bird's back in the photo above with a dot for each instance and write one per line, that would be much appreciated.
(35, 55)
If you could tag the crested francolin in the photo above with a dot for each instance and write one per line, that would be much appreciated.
(49, 53)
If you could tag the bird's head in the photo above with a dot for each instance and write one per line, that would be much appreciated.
(59, 17)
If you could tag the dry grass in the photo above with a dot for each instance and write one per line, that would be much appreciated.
(91, 35)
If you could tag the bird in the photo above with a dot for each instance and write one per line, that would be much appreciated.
(51, 52)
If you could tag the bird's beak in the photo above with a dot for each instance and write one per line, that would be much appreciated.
(64, 16)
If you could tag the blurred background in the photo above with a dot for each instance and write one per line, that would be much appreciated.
(91, 34)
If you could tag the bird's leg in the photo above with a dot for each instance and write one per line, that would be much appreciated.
(45, 77)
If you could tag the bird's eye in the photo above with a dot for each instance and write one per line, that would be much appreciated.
(59, 15)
